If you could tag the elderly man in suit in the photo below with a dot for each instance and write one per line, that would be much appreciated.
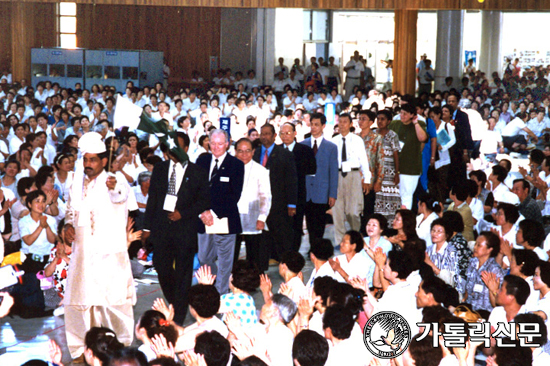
(284, 191)
(226, 175)
(254, 206)
(173, 230)
(305, 165)
(321, 187)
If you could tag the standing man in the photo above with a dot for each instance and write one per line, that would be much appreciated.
(284, 192)
(334, 75)
(426, 76)
(321, 187)
(355, 73)
(353, 181)
(464, 142)
(375, 155)
(178, 194)
(100, 288)
(411, 133)
(254, 206)
(305, 165)
(226, 175)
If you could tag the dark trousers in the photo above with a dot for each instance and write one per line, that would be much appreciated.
(316, 220)
(279, 239)
(297, 225)
(175, 280)
(368, 209)
(256, 250)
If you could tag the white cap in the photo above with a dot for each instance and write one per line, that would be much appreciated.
(91, 143)
(507, 197)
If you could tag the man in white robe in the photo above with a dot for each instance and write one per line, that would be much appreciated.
(100, 290)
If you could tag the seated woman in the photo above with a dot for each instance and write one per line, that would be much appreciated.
(455, 226)
(37, 232)
(428, 211)
(442, 256)
(349, 264)
(405, 224)
(375, 228)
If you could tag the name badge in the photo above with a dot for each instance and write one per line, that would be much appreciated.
(478, 288)
(170, 203)
(346, 166)
(224, 179)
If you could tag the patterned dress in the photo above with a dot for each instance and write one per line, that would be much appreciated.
(388, 199)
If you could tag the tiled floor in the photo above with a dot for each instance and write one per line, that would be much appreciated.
(25, 339)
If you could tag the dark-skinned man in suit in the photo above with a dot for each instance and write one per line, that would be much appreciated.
(284, 192)
(305, 165)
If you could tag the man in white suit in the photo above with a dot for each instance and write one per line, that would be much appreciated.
(254, 206)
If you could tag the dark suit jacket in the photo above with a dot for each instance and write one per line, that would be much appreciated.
(193, 199)
(282, 176)
(225, 190)
(463, 131)
(305, 165)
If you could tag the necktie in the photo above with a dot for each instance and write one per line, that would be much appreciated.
(315, 147)
(344, 154)
(264, 160)
(214, 171)
(172, 182)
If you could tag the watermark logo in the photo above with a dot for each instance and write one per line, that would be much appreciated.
(387, 335)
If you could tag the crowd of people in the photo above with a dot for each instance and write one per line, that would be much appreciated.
(430, 220)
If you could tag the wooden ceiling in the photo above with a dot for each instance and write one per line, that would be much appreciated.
(513, 5)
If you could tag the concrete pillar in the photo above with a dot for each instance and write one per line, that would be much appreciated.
(450, 25)
(404, 63)
(490, 58)
(265, 45)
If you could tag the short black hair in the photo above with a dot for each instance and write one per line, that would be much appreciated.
(461, 192)
(499, 172)
(368, 113)
(423, 352)
(526, 258)
(441, 292)
(205, 299)
(444, 224)
(322, 286)
(544, 272)
(513, 355)
(531, 318)
(517, 287)
(128, 356)
(185, 138)
(480, 175)
(23, 184)
(339, 320)
(537, 156)
(348, 296)
(214, 347)
(245, 276)
(454, 221)
(511, 212)
(310, 348)
(270, 126)
(533, 232)
(386, 113)
(34, 195)
(102, 342)
(319, 116)
(524, 184)
(493, 242)
(508, 164)
(401, 263)
(356, 238)
(322, 249)
(294, 261)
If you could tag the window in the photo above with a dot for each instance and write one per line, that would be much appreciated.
(317, 33)
(66, 26)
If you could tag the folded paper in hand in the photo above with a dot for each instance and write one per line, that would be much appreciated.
(220, 225)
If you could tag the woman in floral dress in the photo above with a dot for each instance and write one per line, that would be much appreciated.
(388, 200)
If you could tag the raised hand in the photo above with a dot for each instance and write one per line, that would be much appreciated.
(161, 347)
(55, 352)
(490, 280)
(160, 306)
(265, 284)
(204, 275)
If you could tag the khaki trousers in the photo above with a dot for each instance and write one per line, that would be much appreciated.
(349, 204)
(80, 318)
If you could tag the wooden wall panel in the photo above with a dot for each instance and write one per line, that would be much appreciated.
(187, 36)
(404, 61)
(5, 39)
(31, 25)
(521, 5)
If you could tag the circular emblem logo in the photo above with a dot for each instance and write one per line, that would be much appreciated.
(387, 335)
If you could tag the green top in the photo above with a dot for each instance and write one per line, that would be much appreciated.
(410, 156)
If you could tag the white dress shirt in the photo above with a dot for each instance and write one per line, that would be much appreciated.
(213, 163)
(180, 172)
(356, 154)
(255, 201)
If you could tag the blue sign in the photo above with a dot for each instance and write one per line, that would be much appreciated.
(470, 55)
(111, 53)
(225, 124)
(330, 113)
(57, 53)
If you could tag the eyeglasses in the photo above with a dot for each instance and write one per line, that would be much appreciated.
(244, 151)
(286, 133)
